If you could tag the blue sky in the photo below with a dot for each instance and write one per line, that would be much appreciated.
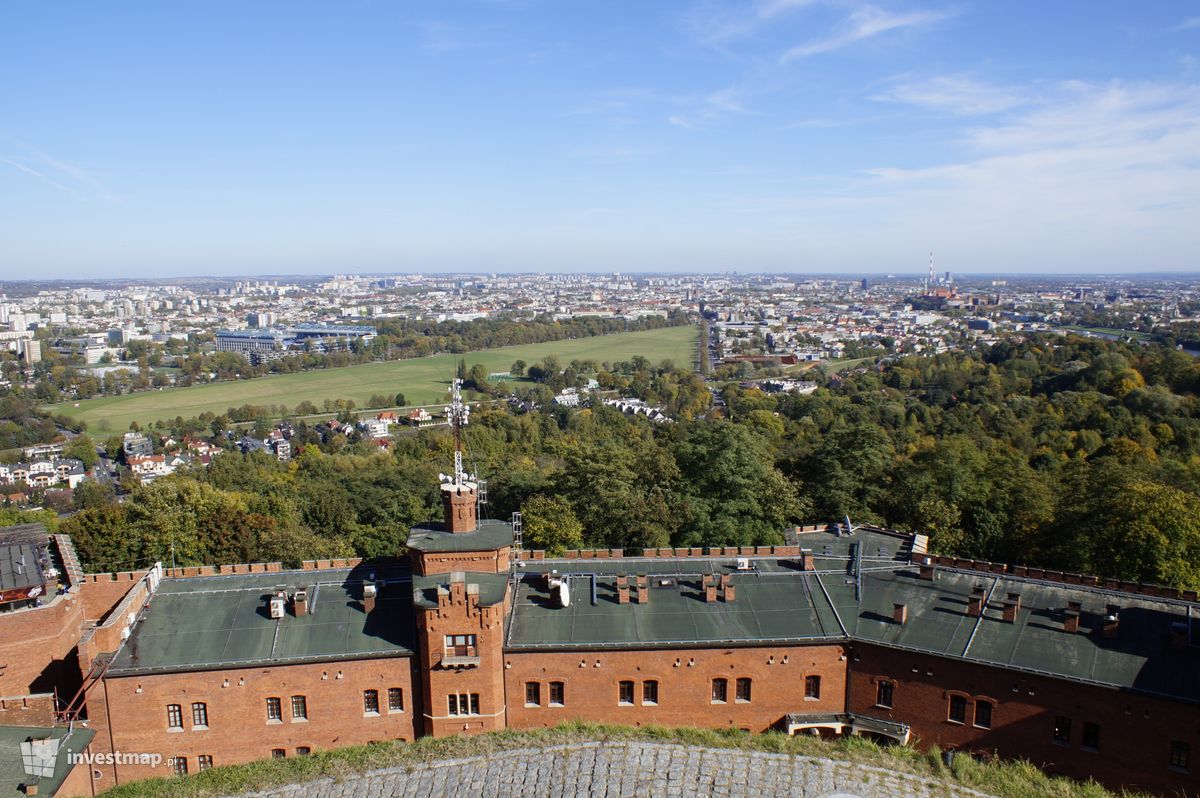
(150, 138)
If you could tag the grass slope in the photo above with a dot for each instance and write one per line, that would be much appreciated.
(421, 380)
(1001, 779)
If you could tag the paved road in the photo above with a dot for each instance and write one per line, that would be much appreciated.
(627, 769)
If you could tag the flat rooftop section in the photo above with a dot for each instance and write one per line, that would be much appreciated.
(1139, 655)
(775, 603)
(871, 547)
(489, 536)
(492, 588)
(210, 622)
(12, 769)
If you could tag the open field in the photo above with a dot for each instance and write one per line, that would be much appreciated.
(421, 380)
(1109, 332)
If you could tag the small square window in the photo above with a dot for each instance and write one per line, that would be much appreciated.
(174, 716)
(625, 693)
(983, 714)
(1091, 736)
(743, 690)
(812, 687)
(278, 753)
(200, 715)
(299, 707)
(370, 702)
(303, 750)
(557, 694)
(650, 692)
(179, 765)
(1181, 754)
(720, 691)
(204, 761)
(958, 709)
(533, 694)
(884, 692)
(395, 699)
(274, 710)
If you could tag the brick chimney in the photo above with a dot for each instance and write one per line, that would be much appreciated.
(369, 593)
(729, 593)
(1010, 607)
(710, 591)
(1009, 611)
(622, 589)
(459, 503)
(1112, 619)
(900, 613)
(1071, 621)
(642, 596)
(300, 602)
(975, 603)
(806, 560)
(927, 569)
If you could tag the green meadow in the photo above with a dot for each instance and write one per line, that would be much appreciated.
(421, 380)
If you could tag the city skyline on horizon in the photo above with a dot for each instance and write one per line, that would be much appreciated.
(807, 137)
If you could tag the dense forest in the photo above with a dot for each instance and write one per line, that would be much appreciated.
(1069, 453)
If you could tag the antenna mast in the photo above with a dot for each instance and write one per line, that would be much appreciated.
(929, 279)
(458, 415)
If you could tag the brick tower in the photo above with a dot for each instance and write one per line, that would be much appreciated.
(461, 598)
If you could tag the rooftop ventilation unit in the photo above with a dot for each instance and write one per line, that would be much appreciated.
(743, 563)
(278, 606)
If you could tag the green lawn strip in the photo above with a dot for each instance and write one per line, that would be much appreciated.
(1004, 779)
(421, 380)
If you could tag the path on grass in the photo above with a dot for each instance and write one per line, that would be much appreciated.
(635, 769)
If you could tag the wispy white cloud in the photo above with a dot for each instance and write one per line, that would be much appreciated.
(36, 174)
(631, 105)
(709, 108)
(61, 174)
(714, 23)
(864, 22)
(958, 94)
(1084, 174)
(1191, 23)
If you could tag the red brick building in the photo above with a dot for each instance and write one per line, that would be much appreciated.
(837, 632)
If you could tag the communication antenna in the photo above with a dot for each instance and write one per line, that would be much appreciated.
(458, 414)
(929, 279)
(518, 530)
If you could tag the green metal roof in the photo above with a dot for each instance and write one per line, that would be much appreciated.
(223, 621)
(489, 536)
(12, 770)
(775, 604)
(850, 597)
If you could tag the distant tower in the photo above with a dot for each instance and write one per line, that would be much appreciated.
(929, 279)
(459, 490)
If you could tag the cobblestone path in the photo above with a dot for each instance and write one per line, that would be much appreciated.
(627, 770)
